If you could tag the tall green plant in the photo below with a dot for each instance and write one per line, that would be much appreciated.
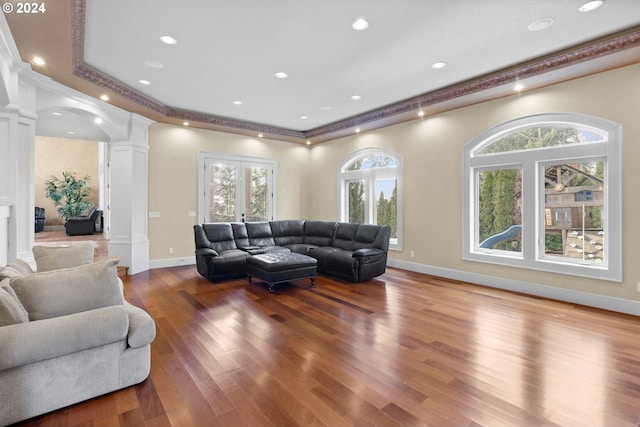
(68, 194)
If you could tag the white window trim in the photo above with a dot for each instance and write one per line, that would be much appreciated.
(370, 175)
(532, 162)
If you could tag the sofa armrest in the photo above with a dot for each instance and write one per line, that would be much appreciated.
(206, 252)
(368, 254)
(30, 342)
(142, 328)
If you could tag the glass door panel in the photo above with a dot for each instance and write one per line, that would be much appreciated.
(257, 192)
(222, 193)
(237, 190)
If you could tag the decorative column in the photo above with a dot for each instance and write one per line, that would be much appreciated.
(17, 135)
(5, 213)
(128, 197)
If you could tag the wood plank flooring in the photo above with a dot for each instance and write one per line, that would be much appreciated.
(403, 350)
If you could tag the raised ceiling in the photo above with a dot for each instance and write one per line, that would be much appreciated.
(221, 73)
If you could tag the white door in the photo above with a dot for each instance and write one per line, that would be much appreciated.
(236, 190)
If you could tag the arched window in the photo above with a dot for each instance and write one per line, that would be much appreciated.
(370, 192)
(544, 192)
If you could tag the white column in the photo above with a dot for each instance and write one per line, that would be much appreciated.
(5, 213)
(128, 197)
(17, 136)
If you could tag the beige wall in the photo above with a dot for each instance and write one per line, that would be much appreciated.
(432, 153)
(431, 148)
(55, 155)
(173, 180)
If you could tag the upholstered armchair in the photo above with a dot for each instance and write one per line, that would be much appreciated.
(77, 225)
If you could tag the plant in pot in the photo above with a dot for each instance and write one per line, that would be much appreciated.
(68, 194)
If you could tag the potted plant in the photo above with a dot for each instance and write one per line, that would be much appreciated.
(68, 194)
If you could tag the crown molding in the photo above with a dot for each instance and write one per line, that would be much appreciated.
(561, 66)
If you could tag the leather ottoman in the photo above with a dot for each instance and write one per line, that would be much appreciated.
(280, 267)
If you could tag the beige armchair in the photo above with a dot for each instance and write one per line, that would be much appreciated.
(67, 335)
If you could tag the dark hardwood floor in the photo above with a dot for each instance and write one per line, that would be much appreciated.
(405, 350)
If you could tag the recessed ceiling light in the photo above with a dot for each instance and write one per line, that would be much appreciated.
(304, 117)
(153, 64)
(360, 24)
(421, 113)
(38, 60)
(540, 24)
(104, 97)
(357, 130)
(518, 87)
(308, 142)
(98, 120)
(356, 97)
(144, 82)
(282, 75)
(591, 5)
(438, 65)
(237, 102)
(168, 40)
(259, 135)
(185, 123)
(71, 132)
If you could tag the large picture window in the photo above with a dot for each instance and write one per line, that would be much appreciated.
(370, 190)
(544, 192)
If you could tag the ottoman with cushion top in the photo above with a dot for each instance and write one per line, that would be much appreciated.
(280, 267)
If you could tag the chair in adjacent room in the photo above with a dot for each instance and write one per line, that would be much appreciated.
(81, 225)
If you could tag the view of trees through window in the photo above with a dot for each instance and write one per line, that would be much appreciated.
(574, 196)
(370, 183)
(258, 196)
(500, 208)
(222, 188)
(229, 195)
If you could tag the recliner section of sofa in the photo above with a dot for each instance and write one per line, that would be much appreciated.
(349, 251)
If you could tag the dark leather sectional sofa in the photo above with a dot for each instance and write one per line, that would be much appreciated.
(352, 252)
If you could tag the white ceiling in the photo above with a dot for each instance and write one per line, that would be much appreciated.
(230, 50)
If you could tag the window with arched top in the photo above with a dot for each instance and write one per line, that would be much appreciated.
(544, 192)
(370, 183)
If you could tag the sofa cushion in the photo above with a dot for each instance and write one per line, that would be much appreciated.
(372, 236)
(345, 234)
(219, 236)
(11, 309)
(56, 257)
(319, 233)
(240, 234)
(260, 234)
(287, 232)
(60, 292)
(15, 268)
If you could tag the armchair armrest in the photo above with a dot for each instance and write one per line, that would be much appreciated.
(30, 342)
(206, 252)
(368, 254)
(142, 328)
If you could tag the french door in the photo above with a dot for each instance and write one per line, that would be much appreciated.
(235, 189)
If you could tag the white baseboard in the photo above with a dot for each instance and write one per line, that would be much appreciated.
(605, 302)
(172, 262)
